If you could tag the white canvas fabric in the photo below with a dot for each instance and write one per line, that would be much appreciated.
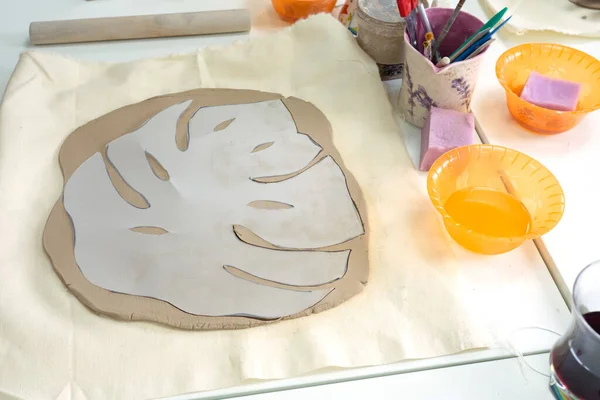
(426, 296)
(560, 16)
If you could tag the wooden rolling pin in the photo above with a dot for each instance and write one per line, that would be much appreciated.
(139, 27)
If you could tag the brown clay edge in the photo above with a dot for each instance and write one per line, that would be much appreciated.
(58, 236)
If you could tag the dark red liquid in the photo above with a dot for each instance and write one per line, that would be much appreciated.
(593, 320)
(574, 350)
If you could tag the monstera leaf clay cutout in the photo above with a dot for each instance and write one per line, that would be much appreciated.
(208, 209)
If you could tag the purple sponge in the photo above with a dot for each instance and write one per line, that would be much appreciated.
(444, 130)
(555, 94)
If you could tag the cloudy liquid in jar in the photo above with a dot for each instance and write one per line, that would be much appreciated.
(489, 212)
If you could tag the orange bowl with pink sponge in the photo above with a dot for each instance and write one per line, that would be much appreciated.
(553, 61)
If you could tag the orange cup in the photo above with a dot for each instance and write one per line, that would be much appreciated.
(293, 10)
(492, 198)
(556, 61)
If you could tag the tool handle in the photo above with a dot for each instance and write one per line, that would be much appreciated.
(405, 7)
(139, 27)
(423, 15)
(448, 25)
(480, 49)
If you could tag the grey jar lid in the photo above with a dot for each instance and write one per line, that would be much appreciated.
(381, 10)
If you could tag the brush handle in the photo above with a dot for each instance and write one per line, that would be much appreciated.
(480, 49)
(465, 54)
(139, 27)
(448, 25)
(468, 44)
(488, 25)
(404, 7)
(424, 18)
(481, 41)
(411, 26)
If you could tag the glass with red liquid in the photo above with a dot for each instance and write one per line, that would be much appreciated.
(575, 358)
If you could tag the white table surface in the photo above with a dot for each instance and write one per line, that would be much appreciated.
(510, 379)
(522, 268)
(571, 156)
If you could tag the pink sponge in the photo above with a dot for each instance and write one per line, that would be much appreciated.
(555, 94)
(444, 130)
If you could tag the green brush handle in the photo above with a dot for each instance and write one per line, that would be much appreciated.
(493, 21)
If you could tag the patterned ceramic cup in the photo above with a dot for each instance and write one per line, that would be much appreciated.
(424, 85)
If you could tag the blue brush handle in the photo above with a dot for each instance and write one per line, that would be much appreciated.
(481, 41)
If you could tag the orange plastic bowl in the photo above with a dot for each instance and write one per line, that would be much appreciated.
(514, 178)
(514, 66)
(293, 10)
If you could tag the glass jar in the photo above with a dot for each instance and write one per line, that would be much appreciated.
(575, 358)
(381, 35)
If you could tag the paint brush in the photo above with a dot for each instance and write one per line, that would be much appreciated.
(430, 41)
(411, 24)
(488, 25)
(447, 27)
(412, 17)
(480, 42)
(427, 45)
(407, 11)
(480, 49)
(473, 39)
(423, 15)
